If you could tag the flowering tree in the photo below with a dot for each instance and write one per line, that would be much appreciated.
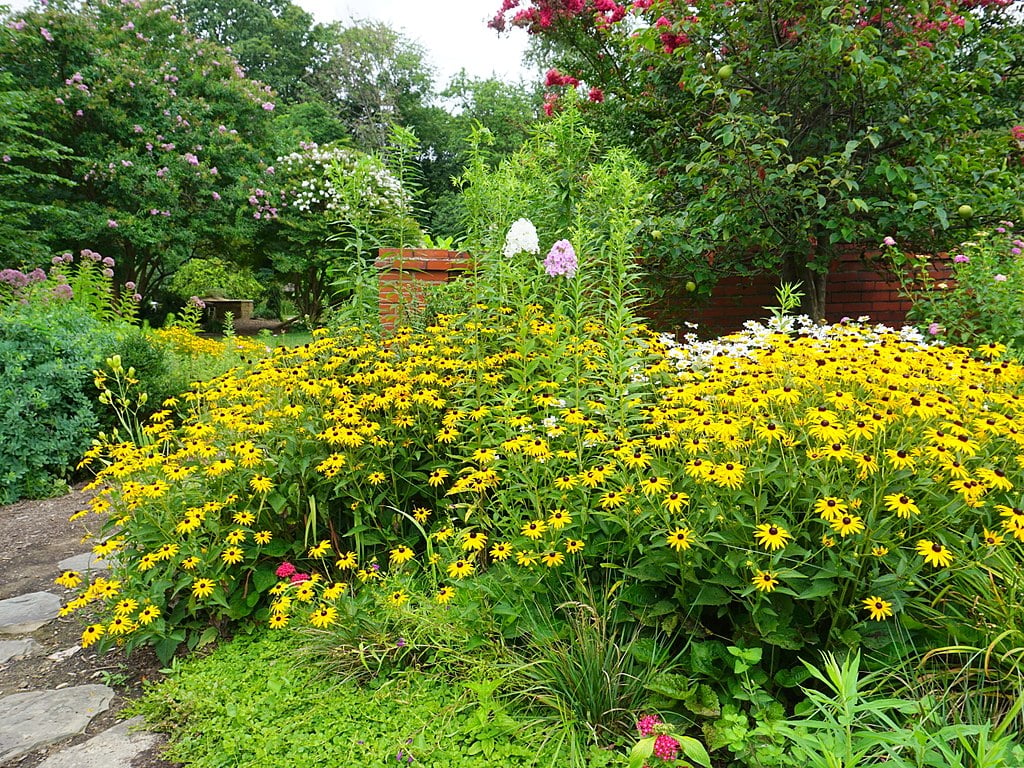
(164, 135)
(781, 130)
(325, 209)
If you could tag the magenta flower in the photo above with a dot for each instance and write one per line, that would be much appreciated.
(961, 258)
(215, 195)
(46, 34)
(934, 329)
(666, 747)
(284, 570)
(647, 723)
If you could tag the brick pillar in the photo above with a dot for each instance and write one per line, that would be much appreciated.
(405, 273)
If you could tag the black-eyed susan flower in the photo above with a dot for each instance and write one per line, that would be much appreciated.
(262, 537)
(501, 551)
(653, 485)
(830, 507)
(92, 633)
(675, 501)
(324, 616)
(232, 555)
(901, 504)
(126, 606)
(261, 483)
(991, 538)
(69, 579)
(572, 546)
(846, 525)
(244, 517)
(444, 595)
(420, 514)
(278, 620)
(559, 518)
(680, 539)
(190, 563)
(879, 550)
(877, 608)
(437, 477)
(202, 587)
(552, 558)
(534, 529)
(336, 590)
(771, 537)
(320, 549)
(729, 474)
(401, 554)
(899, 458)
(460, 569)
(934, 553)
(148, 615)
(474, 541)
(376, 478)
(612, 499)
(764, 581)
(566, 482)
(397, 598)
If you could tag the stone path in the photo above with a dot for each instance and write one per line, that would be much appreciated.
(33, 721)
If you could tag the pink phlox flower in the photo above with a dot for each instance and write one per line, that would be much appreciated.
(561, 260)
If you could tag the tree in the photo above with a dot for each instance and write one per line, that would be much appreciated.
(165, 136)
(782, 130)
(373, 77)
(275, 41)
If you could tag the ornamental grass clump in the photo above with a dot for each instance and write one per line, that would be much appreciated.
(801, 486)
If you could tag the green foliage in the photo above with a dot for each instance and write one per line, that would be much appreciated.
(257, 699)
(47, 418)
(780, 130)
(982, 297)
(163, 136)
(215, 278)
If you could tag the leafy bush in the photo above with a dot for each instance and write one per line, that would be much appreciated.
(215, 278)
(47, 417)
(982, 298)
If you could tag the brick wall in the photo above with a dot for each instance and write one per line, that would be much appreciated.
(858, 284)
(404, 275)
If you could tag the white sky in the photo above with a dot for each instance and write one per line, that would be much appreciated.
(453, 32)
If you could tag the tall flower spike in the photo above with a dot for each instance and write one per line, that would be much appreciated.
(521, 238)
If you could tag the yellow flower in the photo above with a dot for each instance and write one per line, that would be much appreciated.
(901, 504)
(92, 633)
(261, 483)
(991, 539)
(347, 560)
(552, 558)
(237, 536)
(934, 553)
(126, 606)
(460, 569)
(566, 482)
(771, 537)
(830, 507)
(444, 595)
(398, 598)
(323, 616)
(232, 555)
(572, 546)
(244, 517)
(69, 579)
(729, 475)
(765, 581)
(336, 590)
(262, 537)
(612, 499)
(189, 563)
(376, 478)
(278, 620)
(474, 541)
(680, 539)
(148, 614)
(534, 529)
(525, 558)
(401, 554)
(501, 551)
(675, 501)
(844, 525)
(654, 484)
(202, 587)
(420, 514)
(437, 477)
(444, 534)
(877, 608)
(559, 518)
(879, 551)
(321, 549)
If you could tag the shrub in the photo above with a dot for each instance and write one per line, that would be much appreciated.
(215, 278)
(47, 417)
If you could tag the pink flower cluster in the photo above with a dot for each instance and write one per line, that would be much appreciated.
(288, 571)
(561, 260)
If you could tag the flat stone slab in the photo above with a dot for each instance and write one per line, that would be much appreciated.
(35, 719)
(113, 748)
(86, 562)
(18, 649)
(27, 613)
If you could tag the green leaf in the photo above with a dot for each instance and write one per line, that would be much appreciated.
(694, 750)
(835, 45)
(641, 751)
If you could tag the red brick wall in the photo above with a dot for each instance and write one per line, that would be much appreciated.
(404, 275)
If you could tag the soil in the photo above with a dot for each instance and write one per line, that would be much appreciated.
(34, 537)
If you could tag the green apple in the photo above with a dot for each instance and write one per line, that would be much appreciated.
(912, 197)
(965, 211)
(904, 119)
(690, 286)
(725, 72)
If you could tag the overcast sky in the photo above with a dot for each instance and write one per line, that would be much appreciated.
(454, 32)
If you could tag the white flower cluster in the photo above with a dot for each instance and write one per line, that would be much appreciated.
(690, 353)
(521, 238)
(319, 182)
